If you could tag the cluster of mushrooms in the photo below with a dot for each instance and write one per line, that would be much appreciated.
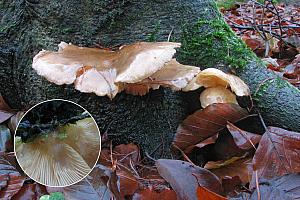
(135, 69)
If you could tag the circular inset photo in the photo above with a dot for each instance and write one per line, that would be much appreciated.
(57, 143)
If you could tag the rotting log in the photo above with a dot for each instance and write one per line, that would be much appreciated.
(27, 26)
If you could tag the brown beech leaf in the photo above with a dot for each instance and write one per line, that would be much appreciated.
(148, 194)
(205, 194)
(280, 188)
(3, 105)
(100, 184)
(4, 115)
(206, 123)
(277, 154)
(128, 183)
(232, 185)
(14, 120)
(126, 153)
(243, 139)
(236, 166)
(11, 180)
(31, 191)
(184, 178)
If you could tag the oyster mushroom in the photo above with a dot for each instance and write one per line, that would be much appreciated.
(64, 156)
(173, 75)
(103, 71)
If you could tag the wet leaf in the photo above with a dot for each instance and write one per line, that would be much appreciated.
(5, 138)
(206, 123)
(148, 194)
(11, 180)
(243, 139)
(128, 183)
(14, 120)
(30, 191)
(286, 187)
(4, 115)
(3, 105)
(236, 166)
(184, 178)
(95, 186)
(126, 153)
(277, 154)
(205, 194)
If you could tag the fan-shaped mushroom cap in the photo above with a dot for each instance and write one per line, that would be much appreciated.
(101, 71)
(173, 75)
(62, 157)
(61, 67)
(212, 77)
(140, 60)
(52, 162)
(216, 95)
(83, 136)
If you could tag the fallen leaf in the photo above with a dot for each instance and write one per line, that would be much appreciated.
(5, 139)
(14, 120)
(4, 115)
(206, 123)
(95, 186)
(11, 181)
(286, 187)
(148, 194)
(232, 185)
(277, 153)
(126, 153)
(3, 105)
(31, 191)
(236, 166)
(185, 177)
(243, 139)
(128, 183)
(205, 194)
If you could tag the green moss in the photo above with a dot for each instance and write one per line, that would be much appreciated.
(210, 43)
(226, 3)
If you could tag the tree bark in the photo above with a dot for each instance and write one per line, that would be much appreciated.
(27, 26)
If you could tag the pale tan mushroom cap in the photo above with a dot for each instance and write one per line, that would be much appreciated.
(216, 95)
(99, 82)
(102, 71)
(140, 60)
(62, 157)
(173, 75)
(212, 77)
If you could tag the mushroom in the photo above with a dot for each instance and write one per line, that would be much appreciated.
(173, 75)
(103, 71)
(64, 156)
(220, 87)
(212, 77)
(217, 94)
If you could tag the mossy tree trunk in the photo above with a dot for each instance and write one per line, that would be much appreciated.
(211, 43)
(27, 26)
